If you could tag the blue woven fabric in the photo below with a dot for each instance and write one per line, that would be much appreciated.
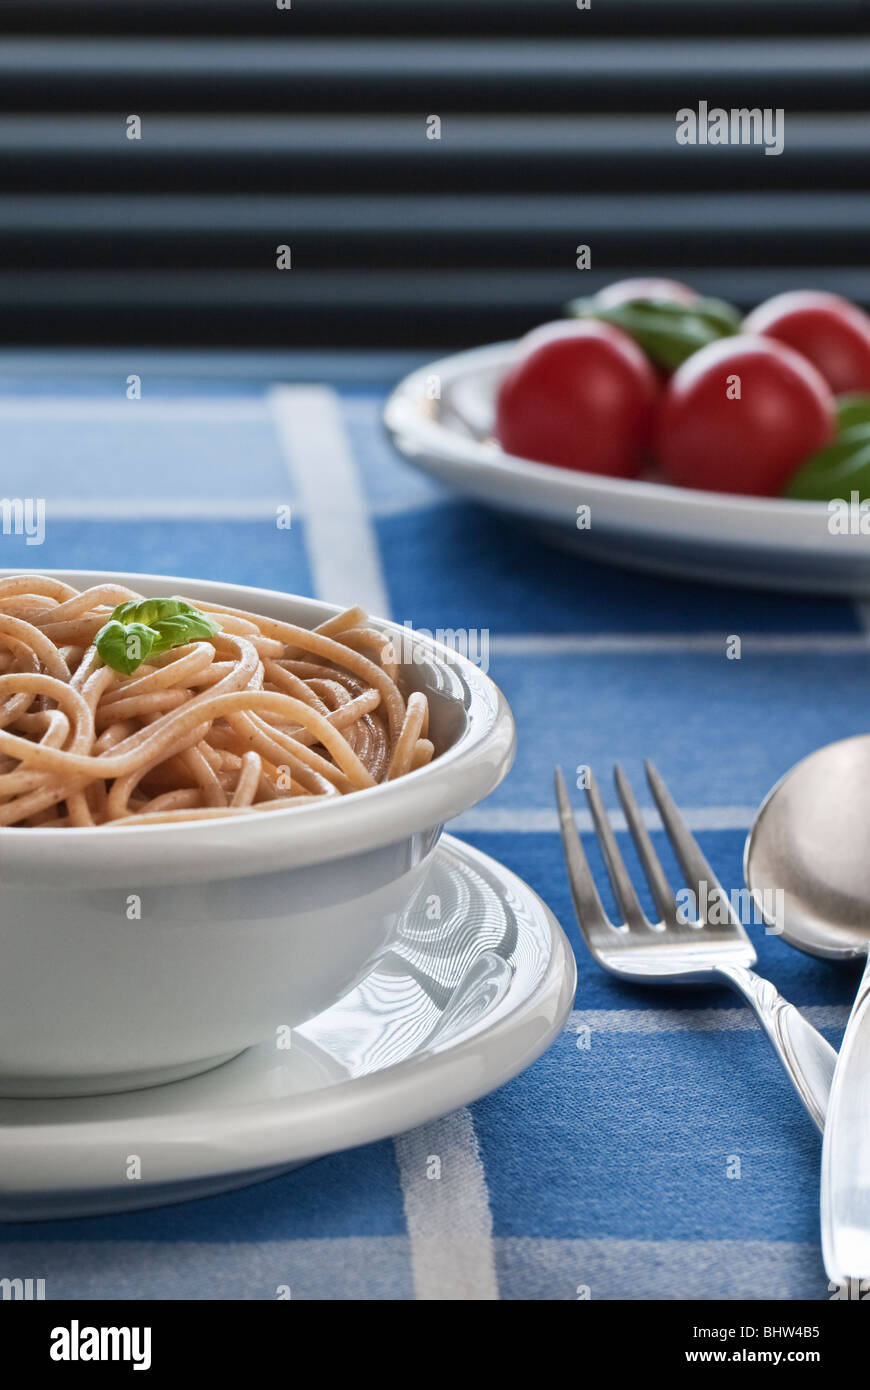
(604, 1167)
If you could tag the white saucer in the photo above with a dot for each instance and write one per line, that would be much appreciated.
(769, 542)
(478, 984)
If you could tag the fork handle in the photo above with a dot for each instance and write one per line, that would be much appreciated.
(807, 1057)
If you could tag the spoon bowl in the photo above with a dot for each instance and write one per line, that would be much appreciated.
(811, 844)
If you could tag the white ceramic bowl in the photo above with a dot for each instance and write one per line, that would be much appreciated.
(248, 926)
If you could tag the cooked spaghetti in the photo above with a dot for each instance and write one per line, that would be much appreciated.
(260, 715)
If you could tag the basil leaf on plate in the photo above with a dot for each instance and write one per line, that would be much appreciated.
(836, 471)
(667, 331)
(853, 409)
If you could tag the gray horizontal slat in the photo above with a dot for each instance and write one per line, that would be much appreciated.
(410, 59)
(60, 292)
(536, 154)
(788, 215)
(429, 74)
(618, 60)
(443, 310)
(388, 137)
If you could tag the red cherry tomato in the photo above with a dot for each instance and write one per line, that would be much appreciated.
(624, 291)
(832, 333)
(580, 396)
(741, 415)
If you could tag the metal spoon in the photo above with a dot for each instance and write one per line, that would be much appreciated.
(811, 840)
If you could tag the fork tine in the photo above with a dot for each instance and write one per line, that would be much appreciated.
(689, 853)
(587, 904)
(655, 875)
(623, 887)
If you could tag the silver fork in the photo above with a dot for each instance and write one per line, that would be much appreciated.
(673, 950)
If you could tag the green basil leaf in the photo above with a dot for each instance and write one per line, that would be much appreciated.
(719, 312)
(155, 625)
(124, 646)
(180, 628)
(154, 610)
(840, 469)
(667, 331)
(853, 409)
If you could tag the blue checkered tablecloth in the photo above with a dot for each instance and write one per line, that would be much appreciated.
(603, 1167)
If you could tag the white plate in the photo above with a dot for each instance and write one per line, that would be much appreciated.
(478, 984)
(713, 536)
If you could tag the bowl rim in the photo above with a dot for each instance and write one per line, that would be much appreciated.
(190, 851)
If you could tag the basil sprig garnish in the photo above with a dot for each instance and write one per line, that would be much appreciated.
(843, 466)
(667, 331)
(852, 409)
(145, 627)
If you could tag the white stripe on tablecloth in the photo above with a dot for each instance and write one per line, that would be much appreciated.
(202, 508)
(448, 1216)
(612, 1268)
(357, 1268)
(341, 543)
(528, 821)
(376, 1267)
(136, 509)
(692, 1020)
